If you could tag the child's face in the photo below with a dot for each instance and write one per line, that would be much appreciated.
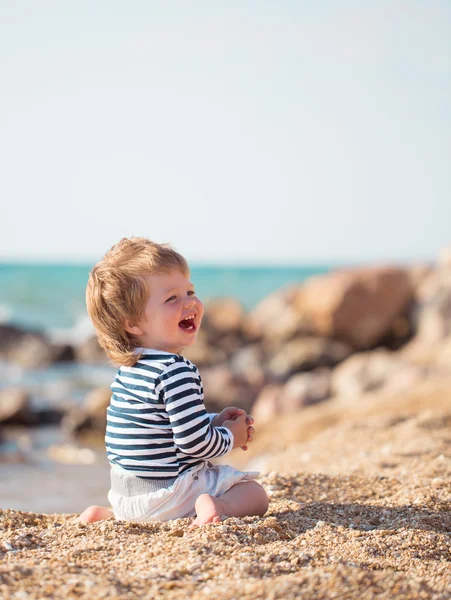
(166, 323)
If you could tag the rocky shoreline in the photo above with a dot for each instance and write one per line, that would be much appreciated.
(340, 334)
(349, 379)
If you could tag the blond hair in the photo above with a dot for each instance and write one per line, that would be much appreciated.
(117, 291)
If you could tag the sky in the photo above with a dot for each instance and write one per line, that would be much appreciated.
(238, 131)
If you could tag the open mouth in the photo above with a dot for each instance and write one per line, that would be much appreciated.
(188, 324)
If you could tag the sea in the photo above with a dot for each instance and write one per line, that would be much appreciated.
(51, 298)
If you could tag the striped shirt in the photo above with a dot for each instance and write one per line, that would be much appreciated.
(157, 425)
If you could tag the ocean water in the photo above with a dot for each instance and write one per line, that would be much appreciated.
(51, 297)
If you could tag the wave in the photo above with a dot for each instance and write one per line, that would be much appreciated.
(78, 333)
(5, 313)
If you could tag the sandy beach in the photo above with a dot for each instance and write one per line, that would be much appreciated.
(352, 401)
(366, 514)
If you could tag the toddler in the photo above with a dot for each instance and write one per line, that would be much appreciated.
(159, 437)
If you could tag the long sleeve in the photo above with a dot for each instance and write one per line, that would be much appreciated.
(180, 388)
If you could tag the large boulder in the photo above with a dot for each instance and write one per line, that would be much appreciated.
(357, 306)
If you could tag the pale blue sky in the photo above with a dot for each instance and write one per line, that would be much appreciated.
(287, 131)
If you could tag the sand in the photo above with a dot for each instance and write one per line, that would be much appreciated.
(363, 511)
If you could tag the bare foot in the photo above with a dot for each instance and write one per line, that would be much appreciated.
(95, 513)
(208, 510)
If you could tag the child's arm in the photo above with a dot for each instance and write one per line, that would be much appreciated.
(181, 389)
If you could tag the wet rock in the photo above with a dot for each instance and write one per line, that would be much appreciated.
(9, 337)
(15, 407)
(357, 306)
(305, 354)
(91, 352)
(92, 414)
(35, 350)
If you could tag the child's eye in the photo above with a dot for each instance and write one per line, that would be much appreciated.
(191, 293)
(171, 298)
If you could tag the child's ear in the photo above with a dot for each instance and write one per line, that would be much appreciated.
(132, 327)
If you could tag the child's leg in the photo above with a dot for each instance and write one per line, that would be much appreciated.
(95, 513)
(243, 499)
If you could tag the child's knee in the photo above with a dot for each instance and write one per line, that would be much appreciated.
(261, 496)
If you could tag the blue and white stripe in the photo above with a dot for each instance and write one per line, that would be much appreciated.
(157, 425)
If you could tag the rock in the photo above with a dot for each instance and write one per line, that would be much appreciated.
(432, 356)
(92, 414)
(274, 318)
(369, 371)
(266, 405)
(306, 388)
(15, 407)
(91, 352)
(9, 337)
(96, 403)
(223, 315)
(305, 354)
(31, 351)
(71, 455)
(248, 363)
(202, 354)
(432, 312)
(222, 389)
(301, 390)
(35, 350)
(357, 306)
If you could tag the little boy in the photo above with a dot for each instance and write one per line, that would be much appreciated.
(159, 437)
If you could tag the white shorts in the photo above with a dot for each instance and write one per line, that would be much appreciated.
(178, 500)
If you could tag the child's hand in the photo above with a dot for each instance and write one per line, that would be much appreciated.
(230, 414)
(238, 427)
